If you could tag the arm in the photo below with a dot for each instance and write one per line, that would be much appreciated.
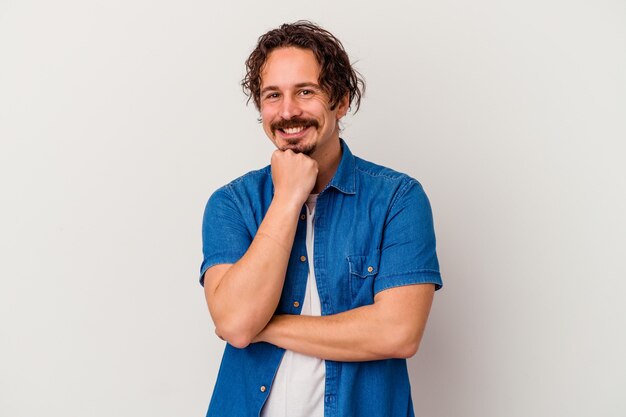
(243, 296)
(392, 327)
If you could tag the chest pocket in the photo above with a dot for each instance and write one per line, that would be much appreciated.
(363, 271)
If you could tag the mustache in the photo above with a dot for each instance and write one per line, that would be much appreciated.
(295, 122)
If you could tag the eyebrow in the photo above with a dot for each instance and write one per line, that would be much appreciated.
(299, 85)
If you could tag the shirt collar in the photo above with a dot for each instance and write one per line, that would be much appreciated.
(344, 178)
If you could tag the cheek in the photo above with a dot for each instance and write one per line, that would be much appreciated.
(322, 111)
(267, 129)
(265, 119)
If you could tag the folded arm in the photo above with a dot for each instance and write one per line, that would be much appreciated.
(391, 327)
(242, 297)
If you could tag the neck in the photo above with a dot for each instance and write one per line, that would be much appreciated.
(327, 163)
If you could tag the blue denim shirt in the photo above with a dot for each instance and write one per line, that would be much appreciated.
(373, 231)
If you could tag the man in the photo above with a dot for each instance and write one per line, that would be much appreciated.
(319, 270)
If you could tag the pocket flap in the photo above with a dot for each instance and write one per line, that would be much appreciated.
(365, 265)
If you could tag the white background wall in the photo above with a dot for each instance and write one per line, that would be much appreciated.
(119, 118)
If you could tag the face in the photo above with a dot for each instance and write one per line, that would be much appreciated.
(295, 111)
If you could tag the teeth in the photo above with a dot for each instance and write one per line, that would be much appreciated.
(293, 130)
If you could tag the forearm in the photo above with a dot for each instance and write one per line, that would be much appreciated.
(246, 296)
(392, 327)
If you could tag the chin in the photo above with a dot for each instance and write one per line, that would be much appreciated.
(307, 150)
(297, 146)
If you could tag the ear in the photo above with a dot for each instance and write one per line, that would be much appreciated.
(343, 106)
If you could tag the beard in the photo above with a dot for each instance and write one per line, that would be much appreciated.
(295, 145)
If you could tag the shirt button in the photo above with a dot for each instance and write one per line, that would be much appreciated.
(263, 388)
(303, 258)
(370, 269)
(303, 217)
(296, 304)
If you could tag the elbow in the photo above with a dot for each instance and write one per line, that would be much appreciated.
(406, 350)
(403, 345)
(238, 341)
(236, 336)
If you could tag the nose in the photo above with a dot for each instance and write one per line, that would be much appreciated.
(289, 108)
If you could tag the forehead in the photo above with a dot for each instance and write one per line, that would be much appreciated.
(288, 66)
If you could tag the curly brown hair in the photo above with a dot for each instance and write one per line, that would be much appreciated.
(337, 76)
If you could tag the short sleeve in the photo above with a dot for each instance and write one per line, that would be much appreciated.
(225, 237)
(408, 254)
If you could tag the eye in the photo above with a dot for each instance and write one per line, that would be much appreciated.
(271, 96)
(306, 92)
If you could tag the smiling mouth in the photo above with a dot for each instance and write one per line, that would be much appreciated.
(293, 130)
(293, 126)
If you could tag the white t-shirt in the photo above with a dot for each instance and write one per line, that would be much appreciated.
(298, 387)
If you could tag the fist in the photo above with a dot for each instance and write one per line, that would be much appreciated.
(294, 175)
